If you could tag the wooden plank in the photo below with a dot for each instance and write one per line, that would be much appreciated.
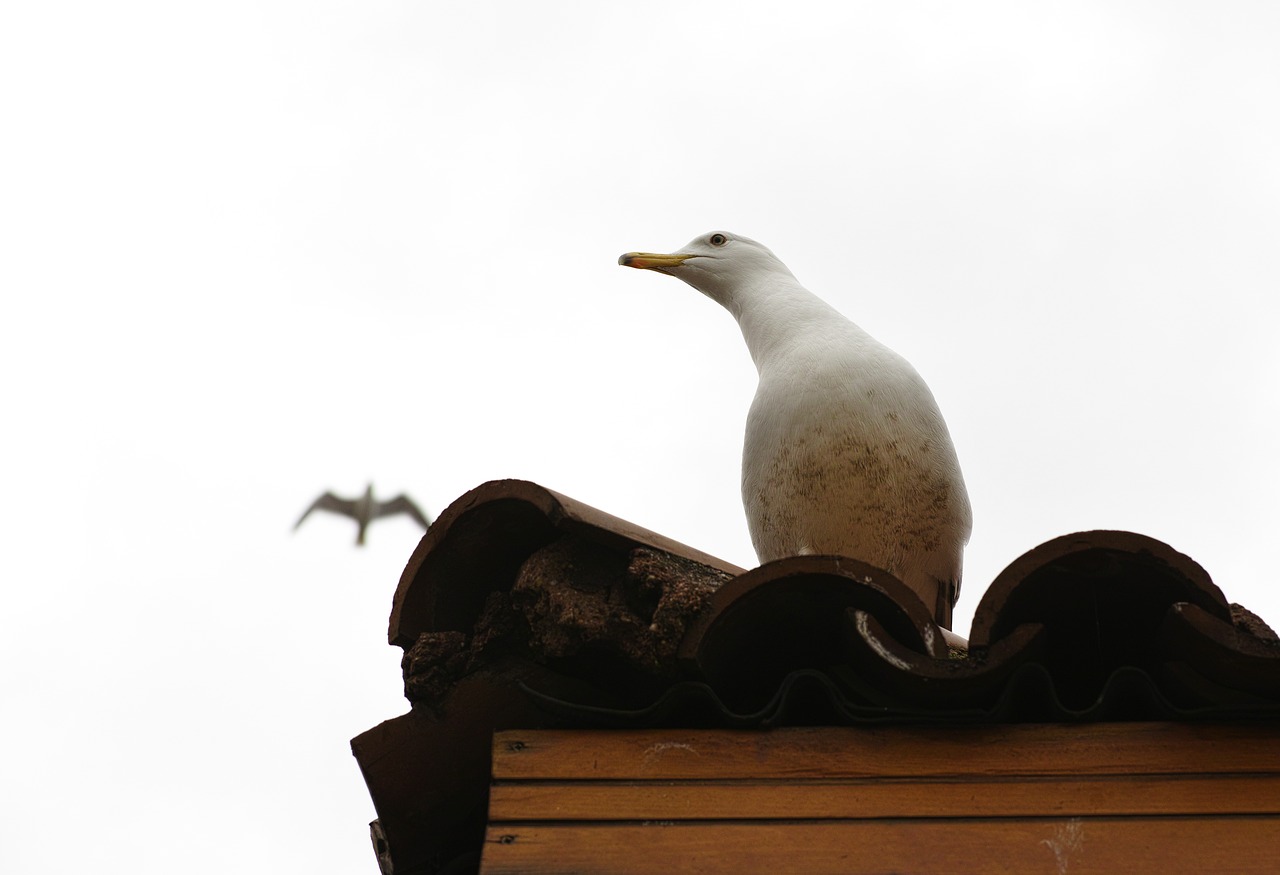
(885, 752)
(1058, 846)
(744, 800)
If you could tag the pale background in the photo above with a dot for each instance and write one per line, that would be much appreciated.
(253, 250)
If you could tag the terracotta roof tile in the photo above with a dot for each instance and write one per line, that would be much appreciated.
(522, 608)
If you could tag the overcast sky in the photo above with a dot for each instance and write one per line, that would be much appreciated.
(254, 250)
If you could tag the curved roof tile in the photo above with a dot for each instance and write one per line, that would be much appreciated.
(522, 608)
(1082, 607)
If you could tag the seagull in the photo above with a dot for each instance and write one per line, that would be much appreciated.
(846, 452)
(365, 510)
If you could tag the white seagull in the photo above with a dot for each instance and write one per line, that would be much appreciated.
(365, 510)
(846, 452)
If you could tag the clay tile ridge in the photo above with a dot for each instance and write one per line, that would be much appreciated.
(479, 542)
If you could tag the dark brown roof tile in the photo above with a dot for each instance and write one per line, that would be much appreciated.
(522, 608)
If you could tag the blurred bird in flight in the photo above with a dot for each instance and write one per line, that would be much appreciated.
(365, 510)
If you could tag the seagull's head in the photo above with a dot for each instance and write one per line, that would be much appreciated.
(718, 264)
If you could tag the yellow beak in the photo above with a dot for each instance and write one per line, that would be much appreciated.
(652, 260)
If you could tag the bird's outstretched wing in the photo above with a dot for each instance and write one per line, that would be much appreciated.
(402, 504)
(329, 502)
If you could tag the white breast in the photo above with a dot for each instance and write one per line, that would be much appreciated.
(847, 453)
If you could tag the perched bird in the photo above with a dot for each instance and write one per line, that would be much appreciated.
(365, 510)
(846, 452)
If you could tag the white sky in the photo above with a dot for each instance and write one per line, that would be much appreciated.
(253, 250)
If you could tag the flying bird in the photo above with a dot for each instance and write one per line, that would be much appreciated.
(365, 510)
(846, 452)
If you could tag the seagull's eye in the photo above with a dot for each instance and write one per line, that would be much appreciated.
(719, 240)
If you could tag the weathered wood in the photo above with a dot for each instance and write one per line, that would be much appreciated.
(742, 800)
(889, 752)
(1045, 845)
(1096, 798)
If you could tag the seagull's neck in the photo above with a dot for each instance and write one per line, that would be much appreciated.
(775, 312)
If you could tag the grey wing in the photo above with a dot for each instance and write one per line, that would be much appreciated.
(329, 502)
(402, 504)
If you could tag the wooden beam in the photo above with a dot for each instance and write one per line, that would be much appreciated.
(1057, 846)
(1057, 798)
(889, 752)
(746, 800)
